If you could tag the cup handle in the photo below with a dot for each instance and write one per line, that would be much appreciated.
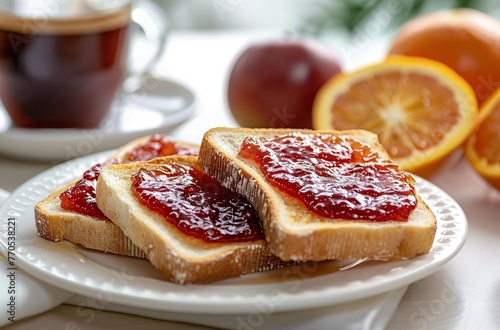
(154, 23)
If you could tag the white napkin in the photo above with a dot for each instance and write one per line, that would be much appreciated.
(33, 296)
(18, 291)
(30, 296)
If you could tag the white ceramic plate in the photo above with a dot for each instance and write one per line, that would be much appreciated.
(134, 282)
(156, 108)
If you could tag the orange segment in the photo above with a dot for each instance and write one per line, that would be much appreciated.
(483, 147)
(420, 109)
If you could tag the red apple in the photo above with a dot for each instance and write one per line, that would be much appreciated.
(273, 83)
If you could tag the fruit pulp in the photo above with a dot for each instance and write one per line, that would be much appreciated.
(337, 177)
(80, 197)
(487, 137)
(196, 204)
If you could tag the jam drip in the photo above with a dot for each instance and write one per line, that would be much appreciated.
(337, 177)
(197, 204)
(80, 197)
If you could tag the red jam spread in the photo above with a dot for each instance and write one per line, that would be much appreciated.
(197, 204)
(158, 146)
(80, 197)
(337, 177)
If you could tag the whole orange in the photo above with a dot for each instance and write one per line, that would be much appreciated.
(466, 40)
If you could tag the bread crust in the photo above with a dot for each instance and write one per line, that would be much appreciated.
(181, 258)
(56, 224)
(295, 233)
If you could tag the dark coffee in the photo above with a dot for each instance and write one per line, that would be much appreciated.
(62, 73)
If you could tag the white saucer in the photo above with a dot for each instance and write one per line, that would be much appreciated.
(156, 108)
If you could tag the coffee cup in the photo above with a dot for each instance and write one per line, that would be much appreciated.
(63, 62)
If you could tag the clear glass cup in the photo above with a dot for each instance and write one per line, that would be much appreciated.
(63, 62)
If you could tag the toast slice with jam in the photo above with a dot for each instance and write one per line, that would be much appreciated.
(71, 213)
(322, 195)
(190, 227)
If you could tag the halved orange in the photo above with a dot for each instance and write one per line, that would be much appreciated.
(420, 109)
(483, 147)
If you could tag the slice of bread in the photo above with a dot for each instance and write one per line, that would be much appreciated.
(182, 258)
(56, 224)
(292, 231)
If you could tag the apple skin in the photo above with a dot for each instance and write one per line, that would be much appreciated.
(273, 83)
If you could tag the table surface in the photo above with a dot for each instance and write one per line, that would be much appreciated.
(465, 293)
